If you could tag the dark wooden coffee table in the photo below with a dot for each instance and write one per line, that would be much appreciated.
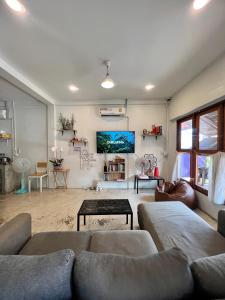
(105, 207)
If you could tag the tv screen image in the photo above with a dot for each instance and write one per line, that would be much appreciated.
(115, 141)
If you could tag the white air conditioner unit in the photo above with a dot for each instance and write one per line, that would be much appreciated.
(112, 111)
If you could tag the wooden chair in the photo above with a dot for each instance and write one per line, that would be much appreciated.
(40, 173)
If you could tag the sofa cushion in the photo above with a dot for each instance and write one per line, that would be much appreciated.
(124, 242)
(172, 224)
(209, 275)
(161, 276)
(42, 277)
(14, 234)
(47, 242)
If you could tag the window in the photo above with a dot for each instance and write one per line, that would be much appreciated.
(208, 131)
(202, 164)
(186, 134)
(185, 145)
(184, 166)
(198, 136)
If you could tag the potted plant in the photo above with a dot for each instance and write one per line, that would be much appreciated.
(65, 123)
(57, 161)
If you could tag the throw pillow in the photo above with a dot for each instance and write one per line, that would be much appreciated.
(209, 275)
(45, 277)
(163, 276)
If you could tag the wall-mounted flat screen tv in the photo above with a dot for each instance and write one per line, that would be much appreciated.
(115, 141)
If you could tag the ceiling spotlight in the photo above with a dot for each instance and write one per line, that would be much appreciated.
(198, 4)
(149, 87)
(108, 82)
(73, 88)
(16, 6)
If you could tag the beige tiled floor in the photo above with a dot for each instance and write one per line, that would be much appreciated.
(56, 209)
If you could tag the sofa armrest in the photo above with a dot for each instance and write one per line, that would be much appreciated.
(14, 234)
(221, 222)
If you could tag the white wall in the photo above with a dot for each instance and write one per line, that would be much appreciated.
(31, 123)
(205, 89)
(88, 122)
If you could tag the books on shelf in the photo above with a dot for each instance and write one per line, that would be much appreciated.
(114, 170)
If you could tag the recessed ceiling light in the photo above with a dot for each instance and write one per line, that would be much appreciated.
(73, 88)
(16, 6)
(198, 4)
(149, 87)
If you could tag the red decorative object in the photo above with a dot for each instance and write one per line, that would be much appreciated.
(156, 172)
(155, 131)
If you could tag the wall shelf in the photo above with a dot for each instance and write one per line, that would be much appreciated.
(67, 130)
(115, 170)
(150, 135)
(79, 142)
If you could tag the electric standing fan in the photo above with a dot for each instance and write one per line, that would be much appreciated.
(21, 166)
(142, 165)
(153, 162)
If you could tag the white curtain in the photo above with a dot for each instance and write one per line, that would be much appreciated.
(216, 191)
(176, 169)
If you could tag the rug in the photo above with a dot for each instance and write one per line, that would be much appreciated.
(95, 223)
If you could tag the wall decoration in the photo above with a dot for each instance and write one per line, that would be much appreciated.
(66, 123)
(145, 131)
(86, 159)
(155, 131)
(81, 140)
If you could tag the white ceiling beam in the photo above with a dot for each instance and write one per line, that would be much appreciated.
(13, 76)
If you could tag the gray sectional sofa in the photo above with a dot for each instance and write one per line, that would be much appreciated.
(173, 224)
(16, 238)
(175, 256)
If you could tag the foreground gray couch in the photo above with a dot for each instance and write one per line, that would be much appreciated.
(114, 265)
(172, 224)
(16, 238)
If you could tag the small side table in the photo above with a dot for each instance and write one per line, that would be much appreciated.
(150, 178)
(64, 173)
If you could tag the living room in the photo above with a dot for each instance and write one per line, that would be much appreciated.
(112, 124)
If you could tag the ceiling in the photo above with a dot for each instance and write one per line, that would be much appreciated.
(163, 42)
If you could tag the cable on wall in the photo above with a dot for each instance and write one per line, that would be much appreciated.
(128, 128)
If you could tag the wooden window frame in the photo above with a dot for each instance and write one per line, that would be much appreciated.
(179, 122)
(219, 140)
(220, 107)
